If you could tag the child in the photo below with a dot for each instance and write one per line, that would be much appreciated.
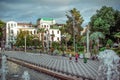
(70, 57)
(76, 57)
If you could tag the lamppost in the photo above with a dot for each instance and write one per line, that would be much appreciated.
(88, 51)
(63, 37)
(35, 40)
(73, 32)
(47, 41)
(25, 43)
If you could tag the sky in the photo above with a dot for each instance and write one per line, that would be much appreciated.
(31, 10)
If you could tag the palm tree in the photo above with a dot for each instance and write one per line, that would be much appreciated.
(20, 37)
(67, 38)
(117, 35)
(95, 36)
(41, 31)
(83, 40)
(52, 37)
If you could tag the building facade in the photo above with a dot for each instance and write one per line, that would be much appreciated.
(51, 32)
(12, 30)
(48, 24)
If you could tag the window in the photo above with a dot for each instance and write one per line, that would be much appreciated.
(52, 32)
(11, 31)
(11, 25)
(8, 25)
(57, 32)
(44, 26)
(58, 38)
(34, 31)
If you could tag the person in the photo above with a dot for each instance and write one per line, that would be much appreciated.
(76, 57)
(70, 57)
(0, 49)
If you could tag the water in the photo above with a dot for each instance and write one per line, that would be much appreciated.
(26, 75)
(15, 72)
(109, 66)
(3, 70)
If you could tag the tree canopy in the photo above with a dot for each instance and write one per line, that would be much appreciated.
(107, 21)
(75, 17)
(2, 24)
(73, 24)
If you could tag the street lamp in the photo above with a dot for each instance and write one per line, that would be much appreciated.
(47, 41)
(25, 43)
(88, 51)
(35, 43)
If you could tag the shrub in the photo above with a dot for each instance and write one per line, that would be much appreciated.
(109, 42)
(102, 49)
(55, 52)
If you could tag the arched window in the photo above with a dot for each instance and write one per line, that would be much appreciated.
(11, 31)
(34, 31)
(57, 32)
(52, 32)
(58, 38)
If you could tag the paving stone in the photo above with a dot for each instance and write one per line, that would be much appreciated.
(60, 64)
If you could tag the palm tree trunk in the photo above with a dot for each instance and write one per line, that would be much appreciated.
(98, 45)
(42, 42)
(66, 45)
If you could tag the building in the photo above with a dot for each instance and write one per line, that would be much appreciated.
(51, 31)
(12, 30)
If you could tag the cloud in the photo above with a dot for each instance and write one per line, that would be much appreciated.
(31, 10)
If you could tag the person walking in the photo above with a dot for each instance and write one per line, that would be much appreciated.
(70, 57)
(76, 57)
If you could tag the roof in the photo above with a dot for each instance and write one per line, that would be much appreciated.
(46, 19)
(24, 24)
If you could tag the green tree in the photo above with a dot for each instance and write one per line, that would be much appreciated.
(83, 41)
(109, 43)
(95, 37)
(67, 38)
(116, 28)
(103, 20)
(41, 31)
(73, 24)
(56, 45)
(117, 35)
(21, 38)
(2, 25)
(106, 20)
(63, 29)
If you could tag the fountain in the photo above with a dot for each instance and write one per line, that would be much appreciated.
(26, 75)
(4, 67)
(109, 66)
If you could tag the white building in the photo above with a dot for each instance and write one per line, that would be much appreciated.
(12, 30)
(45, 22)
(52, 32)
(50, 29)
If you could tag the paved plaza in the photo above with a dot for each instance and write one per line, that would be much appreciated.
(59, 64)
